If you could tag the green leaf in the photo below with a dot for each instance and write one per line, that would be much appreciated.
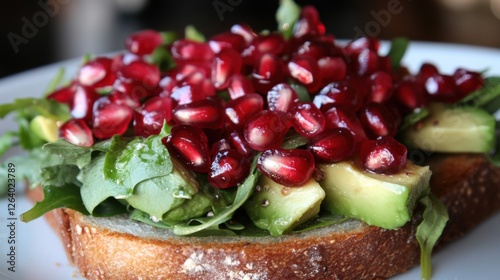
(162, 58)
(7, 141)
(141, 216)
(96, 188)
(27, 139)
(294, 141)
(60, 175)
(397, 51)
(413, 118)
(108, 208)
(55, 82)
(301, 91)
(192, 33)
(322, 220)
(487, 97)
(56, 197)
(34, 106)
(73, 154)
(168, 37)
(287, 14)
(435, 217)
(140, 159)
(244, 191)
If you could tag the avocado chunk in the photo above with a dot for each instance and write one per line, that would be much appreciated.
(385, 201)
(45, 128)
(453, 130)
(279, 209)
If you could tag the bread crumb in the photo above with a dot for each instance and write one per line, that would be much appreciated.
(78, 229)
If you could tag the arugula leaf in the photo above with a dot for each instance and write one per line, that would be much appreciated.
(73, 154)
(191, 33)
(143, 217)
(28, 167)
(7, 141)
(322, 220)
(413, 118)
(162, 58)
(397, 51)
(27, 139)
(92, 176)
(487, 97)
(168, 37)
(243, 192)
(140, 159)
(108, 208)
(435, 217)
(45, 107)
(146, 194)
(56, 197)
(287, 14)
(55, 82)
(60, 175)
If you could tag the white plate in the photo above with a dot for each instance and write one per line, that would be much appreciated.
(40, 255)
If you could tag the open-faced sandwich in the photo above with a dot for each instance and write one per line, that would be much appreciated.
(274, 155)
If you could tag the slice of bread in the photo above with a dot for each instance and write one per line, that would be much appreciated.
(117, 248)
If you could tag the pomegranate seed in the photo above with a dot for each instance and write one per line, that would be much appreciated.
(238, 142)
(411, 93)
(110, 118)
(442, 88)
(185, 50)
(140, 71)
(136, 89)
(384, 155)
(205, 113)
(227, 40)
(467, 81)
(269, 71)
(121, 98)
(305, 70)
(82, 103)
(426, 71)
(331, 146)
(309, 23)
(239, 110)
(199, 67)
(341, 93)
(307, 119)
(189, 145)
(228, 169)
(292, 168)
(143, 42)
(332, 69)
(340, 117)
(365, 63)
(263, 44)
(76, 131)
(378, 120)
(168, 84)
(149, 118)
(282, 97)
(97, 73)
(244, 31)
(381, 87)
(220, 145)
(187, 94)
(63, 95)
(265, 130)
(227, 63)
(361, 44)
(199, 85)
(239, 85)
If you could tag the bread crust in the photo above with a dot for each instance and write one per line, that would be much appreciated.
(467, 184)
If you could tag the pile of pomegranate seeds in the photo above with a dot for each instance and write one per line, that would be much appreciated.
(241, 93)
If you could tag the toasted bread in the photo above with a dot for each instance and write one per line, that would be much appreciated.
(117, 248)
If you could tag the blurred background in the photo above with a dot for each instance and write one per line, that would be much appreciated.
(38, 32)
